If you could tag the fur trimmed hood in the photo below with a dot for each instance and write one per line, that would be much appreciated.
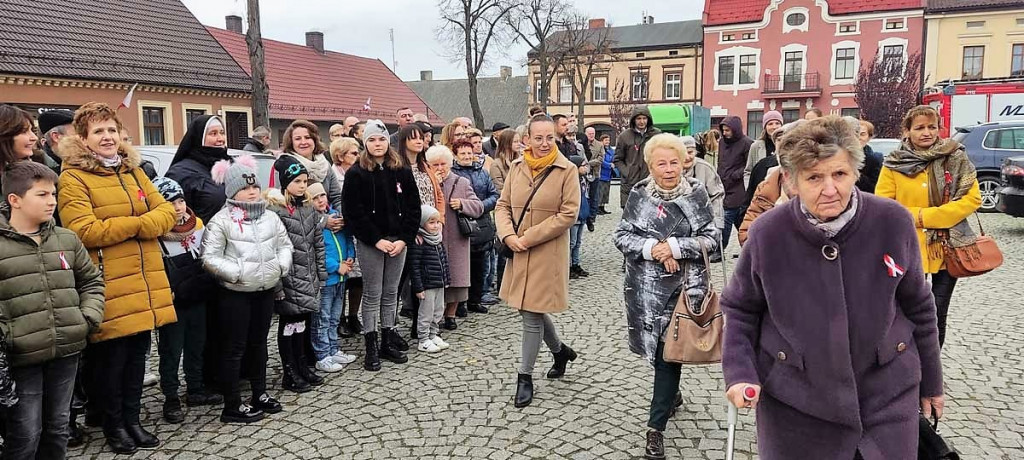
(77, 155)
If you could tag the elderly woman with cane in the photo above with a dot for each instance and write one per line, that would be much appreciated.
(830, 326)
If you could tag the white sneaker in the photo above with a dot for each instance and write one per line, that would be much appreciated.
(341, 358)
(441, 344)
(428, 346)
(328, 365)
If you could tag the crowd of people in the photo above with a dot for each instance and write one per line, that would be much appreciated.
(369, 225)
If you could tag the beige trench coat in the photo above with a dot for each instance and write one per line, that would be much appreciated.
(537, 280)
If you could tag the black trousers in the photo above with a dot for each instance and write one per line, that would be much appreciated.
(117, 367)
(477, 272)
(666, 385)
(942, 290)
(187, 337)
(243, 321)
(292, 347)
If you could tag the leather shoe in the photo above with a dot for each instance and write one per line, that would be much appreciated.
(476, 308)
(265, 403)
(524, 390)
(461, 311)
(143, 439)
(449, 324)
(76, 436)
(120, 441)
(655, 449)
(203, 398)
(172, 411)
(243, 413)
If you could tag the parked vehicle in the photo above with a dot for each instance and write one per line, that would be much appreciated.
(988, 146)
(680, 119)
(161, 156)
(965, 103)
(883, 146)
(1011, 195)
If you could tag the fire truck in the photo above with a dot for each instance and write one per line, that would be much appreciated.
(966, 103)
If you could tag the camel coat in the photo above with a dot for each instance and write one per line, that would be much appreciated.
(537, 280)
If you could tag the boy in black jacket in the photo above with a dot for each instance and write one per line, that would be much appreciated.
(428, 277)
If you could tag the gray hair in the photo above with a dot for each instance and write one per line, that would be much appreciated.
(806, 144)
(59, 129)
(261, 131)
(689, 141)
(438, 152)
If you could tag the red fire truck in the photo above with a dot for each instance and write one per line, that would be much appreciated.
(965, 103)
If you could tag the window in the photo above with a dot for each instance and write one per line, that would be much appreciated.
(850, 112)
(793, 70)
(540, 93)
(1008, 139)
(728, 37)
(1020, 22)
(1017, 61)
(894, 24)
(796, 19)
(754, 125)
(726, 70)
(845, 63)
(153, 126)
(673, 84)
(564, 90)
(974, 60)
(673, 52)
(748, 36)
(790, 115)
(848, 28)
(600, 89)
(638, 90)
(192, 114)
(975, 24)
(748, 63)
(892, 54)
(640, 55)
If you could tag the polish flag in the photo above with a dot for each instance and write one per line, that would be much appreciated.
(366, 106)
(128, 98)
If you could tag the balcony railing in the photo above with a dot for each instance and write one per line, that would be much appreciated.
(795, 83)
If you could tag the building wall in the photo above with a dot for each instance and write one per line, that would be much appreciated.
(36, 94)
(655, 64)
(949, 34)
(819, 38)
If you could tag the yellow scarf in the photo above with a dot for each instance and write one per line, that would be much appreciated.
(537, 165)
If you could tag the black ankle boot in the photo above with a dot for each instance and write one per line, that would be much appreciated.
(293, 381)
(119, 440)
(655, 449)
(562, 358)
(395, 339)
(143, 439)
(389, 351)
(371, 360)
(299, 348)
(172, 410)
(345, 328)
(524, 390)
(461, 311)
(76, 436)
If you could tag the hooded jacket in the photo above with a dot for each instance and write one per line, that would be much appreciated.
(190, 168)
(338, 247)
(629, 152)
(46, 321)
(309, 270)
(247, 250)
(732, 162)
(119, 214)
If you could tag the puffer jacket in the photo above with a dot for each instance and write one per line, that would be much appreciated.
(118, 214)
(246, 248)
(483, 187)
(309, 271)
(46, 321)
(428, 267)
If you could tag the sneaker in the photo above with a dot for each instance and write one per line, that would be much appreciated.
(428, 346)
(440, 342)
(328, 365)
(266, 404)
(150, 379)
(243, 414)
(341, 358)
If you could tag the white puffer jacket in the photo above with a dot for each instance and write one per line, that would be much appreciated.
(247, 248)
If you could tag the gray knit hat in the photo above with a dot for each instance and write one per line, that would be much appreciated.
(235, 175)
(375, 128)
(168, 188)
(426, 212)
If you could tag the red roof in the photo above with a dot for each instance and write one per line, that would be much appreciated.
(326, 87)
(722, 12)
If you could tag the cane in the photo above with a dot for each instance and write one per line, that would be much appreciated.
(730, 444)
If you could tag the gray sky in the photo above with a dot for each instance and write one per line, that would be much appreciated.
(360, 27)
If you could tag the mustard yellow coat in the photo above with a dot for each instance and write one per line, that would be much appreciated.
(118, 215)
(912, 193)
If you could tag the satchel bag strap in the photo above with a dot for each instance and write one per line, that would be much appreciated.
(536, 186)
(707, 261)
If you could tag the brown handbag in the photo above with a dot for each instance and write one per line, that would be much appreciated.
(695, 337)
(974, 259)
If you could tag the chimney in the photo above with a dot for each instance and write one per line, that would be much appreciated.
(233, 23)
(596, 23)
(315, 40)
(426, 75)
(506, 72)
(649, 20)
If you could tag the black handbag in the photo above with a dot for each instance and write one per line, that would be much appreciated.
(931, 446)
(504, 250)
(467, 225)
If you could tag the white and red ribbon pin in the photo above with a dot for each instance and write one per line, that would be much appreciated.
(64, 265)
(661, 212)
(894, 268)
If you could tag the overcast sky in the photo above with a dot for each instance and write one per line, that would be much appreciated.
(361, 27)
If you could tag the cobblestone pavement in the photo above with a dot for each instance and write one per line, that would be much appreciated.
(457, 404)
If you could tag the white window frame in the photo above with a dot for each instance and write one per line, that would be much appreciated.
(786, 28)
(886, 21)
(892, 42)
(739, 68)
(846, 44)
(736, 52)
(792, 47)
(856, 30)
(678, 84)
(565, 83)
(593, 93)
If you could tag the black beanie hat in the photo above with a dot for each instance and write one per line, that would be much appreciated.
(288, 168)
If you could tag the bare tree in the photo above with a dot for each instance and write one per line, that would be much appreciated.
(469, 27)
(887, 87)
(532, 22)
(621, 106)
(260, 90)
(587, 51)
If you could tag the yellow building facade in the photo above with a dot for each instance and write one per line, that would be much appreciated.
(966, 44)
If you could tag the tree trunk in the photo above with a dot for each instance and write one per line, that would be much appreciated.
(471, 72)
(542, 83)
(260, 91)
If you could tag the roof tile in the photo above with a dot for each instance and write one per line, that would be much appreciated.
(722, 12)
(500, 100)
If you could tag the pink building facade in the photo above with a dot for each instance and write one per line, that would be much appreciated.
(794, 55)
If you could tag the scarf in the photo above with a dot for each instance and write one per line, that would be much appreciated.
(950, 173)
(183, 229)
(246, 210)
(432, 239)
(318, 167)
(112, 162)
(538, 165)
(831, 228)
(682, 188)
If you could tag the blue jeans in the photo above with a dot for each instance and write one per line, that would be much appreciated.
(326, 321)
(733, 218)
(491, 267)
(594, 195)
(37, 426)
(575, 241)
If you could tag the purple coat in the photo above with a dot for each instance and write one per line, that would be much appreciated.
(456, 245)
(843, 349)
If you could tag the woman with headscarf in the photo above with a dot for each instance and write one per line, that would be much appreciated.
(197, 152)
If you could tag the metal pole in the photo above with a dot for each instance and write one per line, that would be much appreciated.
(394, 63)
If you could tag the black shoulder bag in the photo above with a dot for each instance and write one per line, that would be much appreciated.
(504, 250)
(467, 225)
(931, 446)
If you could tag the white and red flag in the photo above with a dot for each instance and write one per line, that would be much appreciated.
(128, 98)
(366, 106)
